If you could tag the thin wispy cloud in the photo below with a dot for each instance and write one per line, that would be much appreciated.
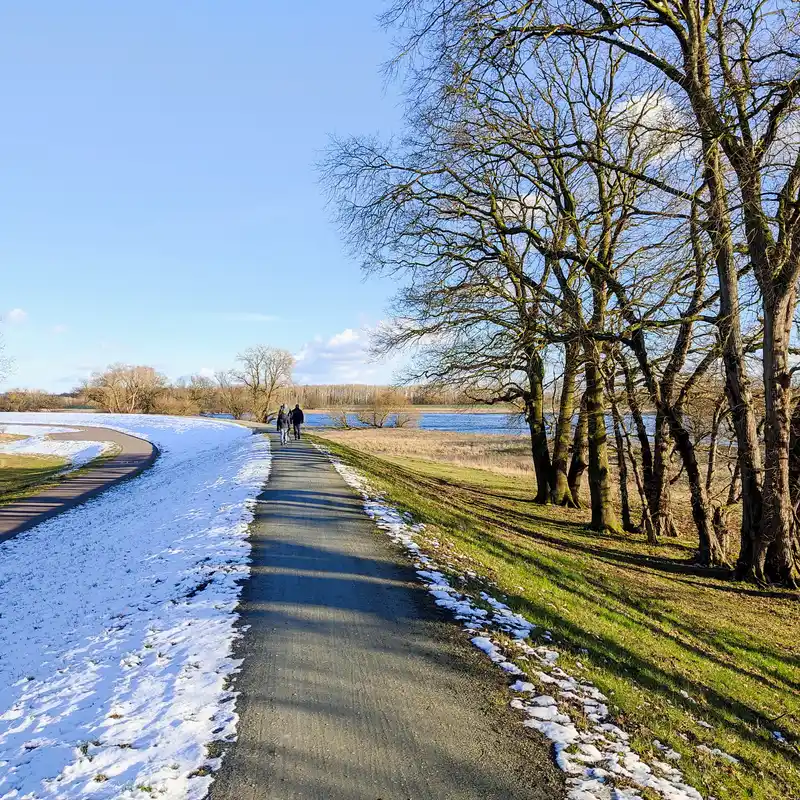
(15, 316)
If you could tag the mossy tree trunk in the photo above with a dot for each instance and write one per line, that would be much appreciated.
(560, 492)
(534, 414)
(580, 454)
(604, 517)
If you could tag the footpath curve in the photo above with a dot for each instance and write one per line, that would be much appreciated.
(135, 456)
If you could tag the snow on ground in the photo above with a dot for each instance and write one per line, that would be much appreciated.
(76, 452)
(589, 747)
(33, 430)
(118, 621)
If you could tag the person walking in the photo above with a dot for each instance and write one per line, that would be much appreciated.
(298, 418)
(283, 423)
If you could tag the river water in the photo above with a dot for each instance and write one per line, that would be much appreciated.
(458, 422)
(465, 422)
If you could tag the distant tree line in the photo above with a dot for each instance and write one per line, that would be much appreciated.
(255, 388)
(605, 196)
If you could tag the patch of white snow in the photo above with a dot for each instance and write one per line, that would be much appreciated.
(76, 452)
(118, 621)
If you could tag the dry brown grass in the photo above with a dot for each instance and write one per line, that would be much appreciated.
(511, 456)
(505, 455)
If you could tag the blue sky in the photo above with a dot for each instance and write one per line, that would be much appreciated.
(159, 202)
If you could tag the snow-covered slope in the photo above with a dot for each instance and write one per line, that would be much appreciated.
(116, 620)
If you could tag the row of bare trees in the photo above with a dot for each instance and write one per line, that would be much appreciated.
(252, 388)
(255, 388)
(605, 196)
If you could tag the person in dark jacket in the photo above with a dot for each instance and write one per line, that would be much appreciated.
(283, 424)
(298, 419)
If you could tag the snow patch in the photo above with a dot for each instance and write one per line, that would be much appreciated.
(118, 621)
(76, 452)
(34, 430)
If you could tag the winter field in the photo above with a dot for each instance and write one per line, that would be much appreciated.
(118, 618)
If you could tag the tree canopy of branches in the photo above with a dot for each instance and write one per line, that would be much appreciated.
(126, 389)
(583, 194)
(264, 372)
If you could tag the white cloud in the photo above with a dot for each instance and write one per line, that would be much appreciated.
(341, 358)
(58, 329)
(15, 316)
(206, 372)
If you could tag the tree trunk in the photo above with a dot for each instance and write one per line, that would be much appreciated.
(737, 385)
(534, 413)
(658, 491)
(711, 552)
(711, 468)
(622, 462)
(641, 428)
(773, 552)
(622, 471)
(578, 463)
(794, 456)
(604, 517)
(560, 492)
(647, 523)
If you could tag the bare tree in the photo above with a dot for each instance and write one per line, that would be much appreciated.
(264, 372)
(389, 409)
(732, 73)
(126, 389)
(232, 395)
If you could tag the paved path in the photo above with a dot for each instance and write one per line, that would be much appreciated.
(136, 455)
(354, 686)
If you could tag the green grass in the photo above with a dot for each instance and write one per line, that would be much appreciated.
(645, 623)
(22, 474)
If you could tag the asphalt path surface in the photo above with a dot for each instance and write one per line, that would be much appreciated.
(135, 455)
(354, 685)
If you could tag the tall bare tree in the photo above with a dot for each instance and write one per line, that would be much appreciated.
(264, 372)
(733, 71)
(126, 389)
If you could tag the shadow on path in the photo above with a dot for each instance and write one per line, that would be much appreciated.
(353, 684)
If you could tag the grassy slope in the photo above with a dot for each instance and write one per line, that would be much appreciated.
(641, 619)
(22, 474)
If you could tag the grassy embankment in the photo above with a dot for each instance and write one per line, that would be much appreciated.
(670, 645)
(22, 474)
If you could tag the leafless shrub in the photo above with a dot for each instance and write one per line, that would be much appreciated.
(388, 408)
(126, 389)
(27, 400)
(339, 418)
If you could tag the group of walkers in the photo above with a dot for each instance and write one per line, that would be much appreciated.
(290, 419)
